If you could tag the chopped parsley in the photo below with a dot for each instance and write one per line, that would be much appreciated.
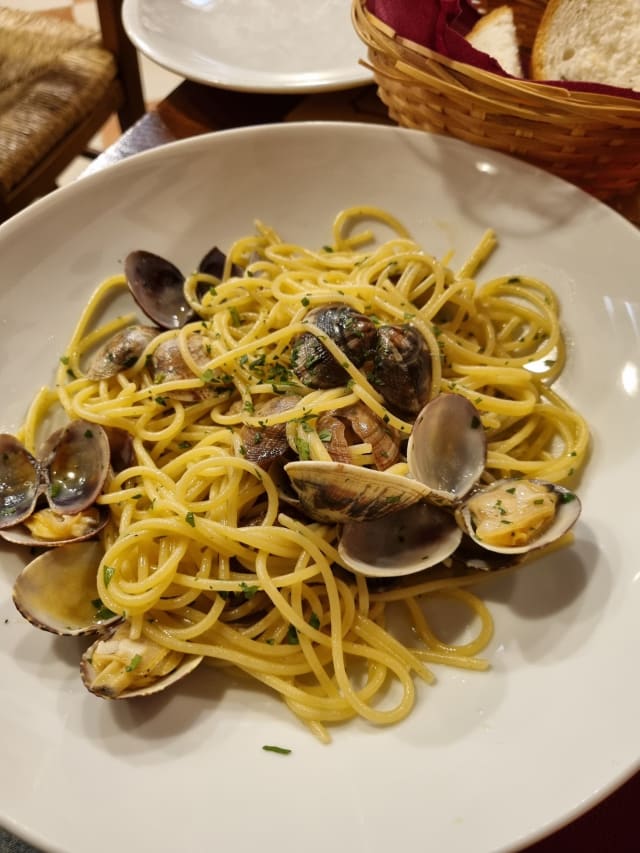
(249, 591)
(134, 663)
(303, 449)
(102, 611)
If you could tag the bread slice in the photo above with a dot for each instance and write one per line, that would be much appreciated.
(591, 41)
(495, 34)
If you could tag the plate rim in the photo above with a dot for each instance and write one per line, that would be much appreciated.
(206, 140)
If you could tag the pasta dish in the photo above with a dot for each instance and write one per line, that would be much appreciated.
(213, 551)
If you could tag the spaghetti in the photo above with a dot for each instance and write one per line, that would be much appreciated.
(202, 557)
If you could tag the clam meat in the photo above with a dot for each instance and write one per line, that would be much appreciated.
(518, 515)
(118, 667)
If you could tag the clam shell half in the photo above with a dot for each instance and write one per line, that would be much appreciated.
(338, 492)
(447, 449)
(403, 543)
(58, 591)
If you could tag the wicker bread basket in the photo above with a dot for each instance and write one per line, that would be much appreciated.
(590, 139)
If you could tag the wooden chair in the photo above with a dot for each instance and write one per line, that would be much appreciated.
(59, 84)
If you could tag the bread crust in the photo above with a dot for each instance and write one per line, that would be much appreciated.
(484, 25)
(595, 41)
(545, 28)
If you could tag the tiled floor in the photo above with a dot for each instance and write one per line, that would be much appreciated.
(156, 81)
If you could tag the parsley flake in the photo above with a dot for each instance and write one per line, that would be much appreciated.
(281, 750)
(134, 663)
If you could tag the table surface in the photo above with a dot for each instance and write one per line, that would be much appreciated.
(192, 109)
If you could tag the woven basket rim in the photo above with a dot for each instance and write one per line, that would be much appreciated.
(543, 90)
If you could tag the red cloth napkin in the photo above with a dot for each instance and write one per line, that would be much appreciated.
(441, 25)
(437, 24)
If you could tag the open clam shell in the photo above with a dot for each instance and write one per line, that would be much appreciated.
(517, 516)
(339, 492)
(411, 540)
(21, 481)
(58, 592)
(71, 471)
(447, 448)
(117, 667)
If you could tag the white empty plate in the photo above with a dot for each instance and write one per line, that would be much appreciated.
(251, 45)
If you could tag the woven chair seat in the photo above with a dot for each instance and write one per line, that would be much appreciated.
(52, 73)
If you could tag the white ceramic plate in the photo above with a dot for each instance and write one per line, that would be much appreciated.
(485, 762)
(251, 45)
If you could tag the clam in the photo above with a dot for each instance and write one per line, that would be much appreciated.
(70, 472)
(517, 516)
(77, 463)
(333, 431)
(469, 556)
(394, 525)
(122, 453)
(157, 285)
(338, 492)
(447, 448)
(354, 333)
(168, 365)
(158, 288)
(57, 591)
(266, 444)
(21, 481)
(410, 540)
(118, 667)
(213, 264)
(365, 426)
(121, 351)
(402, 369)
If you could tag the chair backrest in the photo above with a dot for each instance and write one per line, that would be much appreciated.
(116, 41)
(68, 82)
